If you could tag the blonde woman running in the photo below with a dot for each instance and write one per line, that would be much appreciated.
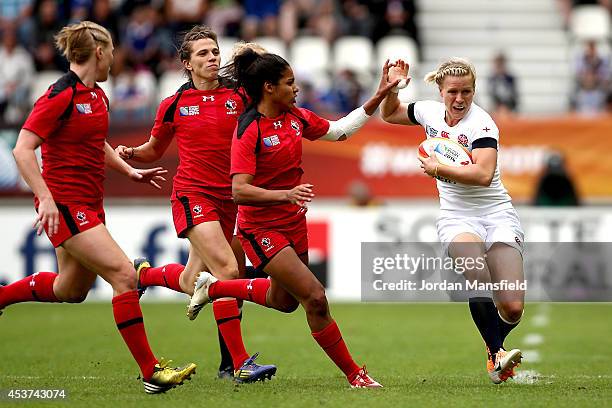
(477, 218)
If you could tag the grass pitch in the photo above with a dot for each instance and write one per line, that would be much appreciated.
(424, 355)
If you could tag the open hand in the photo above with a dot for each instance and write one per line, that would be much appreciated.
(48, 214)
(398, 71)
(301, 195)
(152, 176)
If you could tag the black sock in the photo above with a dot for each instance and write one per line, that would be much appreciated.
(505, 328)
(485, 316)
(253, 273)
(226, 357)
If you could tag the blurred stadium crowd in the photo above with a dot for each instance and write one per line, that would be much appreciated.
(146, 33)
(337, 44)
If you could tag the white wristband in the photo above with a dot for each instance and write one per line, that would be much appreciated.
(401, 85)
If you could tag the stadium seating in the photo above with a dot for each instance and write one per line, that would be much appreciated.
(590, 23)
(353, 53)
(321, 80)
(310, 54)
(394, 47)
(107, 87)
(226, 47)
(41, 82)
(273, 45)
(169, 83)
(530, 33)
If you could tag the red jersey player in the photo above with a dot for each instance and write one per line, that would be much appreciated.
(202, 116)
(69, 192)
(266, 183)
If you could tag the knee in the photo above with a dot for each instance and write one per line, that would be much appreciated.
(511, 312)
(227, 272)
(124, 280)
(316, 303)
(74, 297)
(287, 307)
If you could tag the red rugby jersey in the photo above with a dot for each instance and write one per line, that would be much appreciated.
(271, 151)
(203, 123)
(73, 121)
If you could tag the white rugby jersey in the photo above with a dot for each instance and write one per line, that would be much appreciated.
(476, 129)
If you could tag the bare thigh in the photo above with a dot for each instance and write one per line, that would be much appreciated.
(240, 256)
(279, 297)
(291, 278)
(506, 263)
(213, 249)
(98, 252)
(194, 266)
(470, 246)
(74, 280)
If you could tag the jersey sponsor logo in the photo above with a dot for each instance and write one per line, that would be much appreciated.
(445, 180)
(271, 141)
(210, 98)
(277, 125)
(231, 107)
(267, 243)
(431, 131)
(84, 108)
(295, 126)
(463, 140)
(82, 217)
(445, 134)
(197, 210)
(189, 110)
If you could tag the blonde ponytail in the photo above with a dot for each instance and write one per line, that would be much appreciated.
(77, 42)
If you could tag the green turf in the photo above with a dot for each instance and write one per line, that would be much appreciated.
(425, 355)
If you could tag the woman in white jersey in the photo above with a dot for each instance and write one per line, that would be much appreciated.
(477, 217)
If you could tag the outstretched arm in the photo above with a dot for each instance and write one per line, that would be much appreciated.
(152, 176)
(391, 109)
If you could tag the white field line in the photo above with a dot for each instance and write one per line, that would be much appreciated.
(531, 356)
(533, 339)
(527, 377)
(540, 320)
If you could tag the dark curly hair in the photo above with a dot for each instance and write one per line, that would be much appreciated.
(250, 70)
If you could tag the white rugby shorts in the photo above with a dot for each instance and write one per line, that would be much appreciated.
(500, 226)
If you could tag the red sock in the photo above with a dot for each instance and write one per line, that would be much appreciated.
(330, 340)
(228, 316)
(128, 317)
(253, 290)
(167, 275)
(37, 288)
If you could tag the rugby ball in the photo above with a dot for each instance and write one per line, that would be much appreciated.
(446, 151)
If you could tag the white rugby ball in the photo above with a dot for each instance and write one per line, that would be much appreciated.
(446, 151)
